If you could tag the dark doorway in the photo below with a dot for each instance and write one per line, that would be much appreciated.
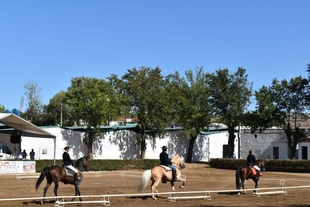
(304, 152)
(275, 153)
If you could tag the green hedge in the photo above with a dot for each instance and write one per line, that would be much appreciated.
(106, 165)
(110, 165)
(270, 164)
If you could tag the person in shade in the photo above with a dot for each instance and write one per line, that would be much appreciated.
(32, 154)
(164, 160)
(251, 161)
(69, 163)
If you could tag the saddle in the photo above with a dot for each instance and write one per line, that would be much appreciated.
(70, 173)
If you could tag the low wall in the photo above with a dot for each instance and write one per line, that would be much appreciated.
(13, 167)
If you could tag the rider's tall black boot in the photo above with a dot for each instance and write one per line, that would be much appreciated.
(75, 178)
(174, 175)
(257, 175)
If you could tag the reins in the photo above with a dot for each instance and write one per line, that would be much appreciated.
(176, 165)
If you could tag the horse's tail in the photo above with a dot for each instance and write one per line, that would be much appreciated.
(145, 180)
(42, 176)
(238, 175)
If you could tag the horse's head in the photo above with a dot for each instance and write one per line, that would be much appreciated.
(178, 162)
(261, 164)
(82, 163)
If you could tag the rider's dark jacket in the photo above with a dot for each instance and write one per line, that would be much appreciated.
(251, 160)
(66, 159)
(164, 160)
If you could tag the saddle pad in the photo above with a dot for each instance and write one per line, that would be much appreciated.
(254, 172)
(69, 172)
(165, 167)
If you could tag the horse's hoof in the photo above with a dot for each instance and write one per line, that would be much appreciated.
(182, 186)
(154, 198)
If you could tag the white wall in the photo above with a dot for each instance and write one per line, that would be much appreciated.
(122, 144)
(262, 144)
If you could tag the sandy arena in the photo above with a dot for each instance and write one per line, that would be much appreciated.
(199, 178)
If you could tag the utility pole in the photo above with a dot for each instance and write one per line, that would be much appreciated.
(239, 142)
(61, 115)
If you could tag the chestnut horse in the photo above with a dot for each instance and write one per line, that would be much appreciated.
(162, 174)
(58, 174)
(247, 172)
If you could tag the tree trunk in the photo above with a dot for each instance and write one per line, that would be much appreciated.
(143, 144)
(288, 133)
(89, 140)
(231, 140)
(190, 149)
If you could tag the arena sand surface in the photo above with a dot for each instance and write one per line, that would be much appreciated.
(199, 178)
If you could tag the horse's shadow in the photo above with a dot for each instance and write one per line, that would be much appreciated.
(146, 197)
(37, 202)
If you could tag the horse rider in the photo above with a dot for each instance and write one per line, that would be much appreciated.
(68, 163)
(164, 160)
(251, 161)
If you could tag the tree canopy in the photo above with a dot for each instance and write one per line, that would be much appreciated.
(192, 108)
(92, 101)
(146, 92)
(230, 95)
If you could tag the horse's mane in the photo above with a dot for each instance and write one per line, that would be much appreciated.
(177, 156)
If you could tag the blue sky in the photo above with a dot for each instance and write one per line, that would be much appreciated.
(49, 42)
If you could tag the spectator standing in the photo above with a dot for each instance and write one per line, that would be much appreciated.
(24, 154)
(233, 155)
(32, 154)
(20, 155)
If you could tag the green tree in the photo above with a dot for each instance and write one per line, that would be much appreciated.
(34, 106)
(2, 108)
(308, 69)
(57, 112)
(144, 89)
(92, 101)
(266, 114)
(192, 108)
(282, 104)
(230, 95)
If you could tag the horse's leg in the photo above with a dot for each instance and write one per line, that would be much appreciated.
(173, 188)
(256, 184)
(77, 192)
(242, 185)
(56, 188)
(44, 192)
(181, 180)
(153, 188)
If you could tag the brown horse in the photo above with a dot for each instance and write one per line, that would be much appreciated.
(162, 174)
(247, 172)
(58, 174)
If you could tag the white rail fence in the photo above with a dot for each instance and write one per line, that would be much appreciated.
(172, 196)
(282, 182)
